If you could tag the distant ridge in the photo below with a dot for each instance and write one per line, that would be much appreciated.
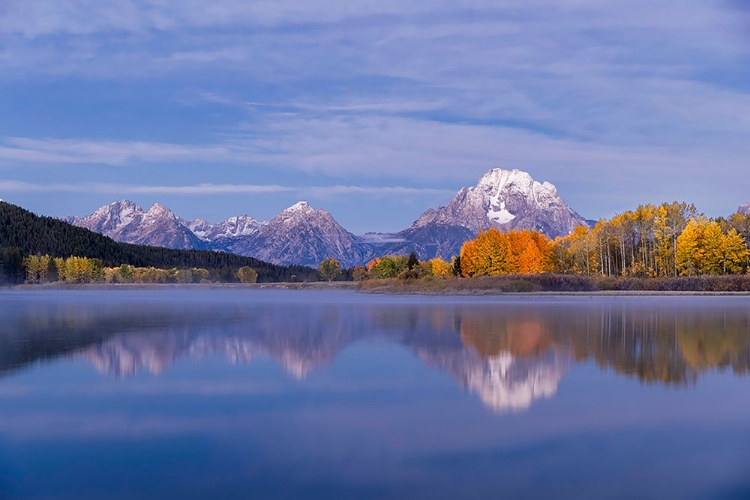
(303, 235)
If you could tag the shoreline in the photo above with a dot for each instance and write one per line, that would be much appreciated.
(384, 289)
(313, 285)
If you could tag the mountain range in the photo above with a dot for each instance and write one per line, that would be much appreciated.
(502, 199)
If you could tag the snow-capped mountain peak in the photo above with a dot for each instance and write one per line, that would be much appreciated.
(301, 207)
(744, 209)
(506, 199)
(234, 227)
(200, 227)
(112, 217)
(127, 222)
(158, 211)
(301, 234)
(299, 212)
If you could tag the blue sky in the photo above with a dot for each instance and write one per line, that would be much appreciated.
(373, 110)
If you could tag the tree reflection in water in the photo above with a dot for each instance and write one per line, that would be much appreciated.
(508, 353)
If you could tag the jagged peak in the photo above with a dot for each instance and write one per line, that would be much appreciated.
(744, 209)
(496, 175)
(158, 209)
(300, 206)
(237, 219)
(124, 203)
(121, 205)
(500, 178)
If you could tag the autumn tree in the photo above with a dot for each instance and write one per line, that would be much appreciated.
(577, 252)
(703, 248)
(37, 268)
(329, 269)
(485, 255)
(439, 267)
(670, 219)
(516, 252)
(690, 249)
(359, 273)
(247, 274)
(388, 266)
(125, 274)
(201, 275)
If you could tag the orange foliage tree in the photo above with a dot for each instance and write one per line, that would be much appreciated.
(516, 252)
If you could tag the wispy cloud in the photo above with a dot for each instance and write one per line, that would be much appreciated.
(214, 189)
(50, 150)
(586, 94)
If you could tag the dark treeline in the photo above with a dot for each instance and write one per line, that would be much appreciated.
(23, 233)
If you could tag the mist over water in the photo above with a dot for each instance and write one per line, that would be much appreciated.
(289, 394)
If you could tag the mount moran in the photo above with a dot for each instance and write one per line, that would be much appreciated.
(503, 199)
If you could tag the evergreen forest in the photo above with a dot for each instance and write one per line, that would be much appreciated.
(24, 234)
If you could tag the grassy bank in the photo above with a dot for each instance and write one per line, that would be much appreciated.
(557, 283)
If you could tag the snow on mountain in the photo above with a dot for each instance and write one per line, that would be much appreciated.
(503, 199)
(298, 235)
(506, 199)
(126, 222)
(507, 383)
(199, 227)
(233, 227)
(302, 235)
(307, 337)
(744, 209)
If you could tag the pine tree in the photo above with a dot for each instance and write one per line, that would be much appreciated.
(412, 262)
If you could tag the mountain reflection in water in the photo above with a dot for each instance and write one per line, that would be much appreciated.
(507, 354)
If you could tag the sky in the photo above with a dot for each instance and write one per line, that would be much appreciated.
(373, 110)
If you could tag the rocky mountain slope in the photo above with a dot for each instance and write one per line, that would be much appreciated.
(744, 209)
(126, 222)
(301, 234)
(233, 227)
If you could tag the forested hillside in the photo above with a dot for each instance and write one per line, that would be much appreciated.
(23, 233)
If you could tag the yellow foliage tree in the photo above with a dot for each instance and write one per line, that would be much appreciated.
(440, 268)
(689, 249)
(703, 248)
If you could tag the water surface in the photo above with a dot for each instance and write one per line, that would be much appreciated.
(314, 394)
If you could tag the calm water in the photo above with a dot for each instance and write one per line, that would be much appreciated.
(288, 394)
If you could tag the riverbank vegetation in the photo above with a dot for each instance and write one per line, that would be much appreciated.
(670, 247)
(81, 270)
(653, 248)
